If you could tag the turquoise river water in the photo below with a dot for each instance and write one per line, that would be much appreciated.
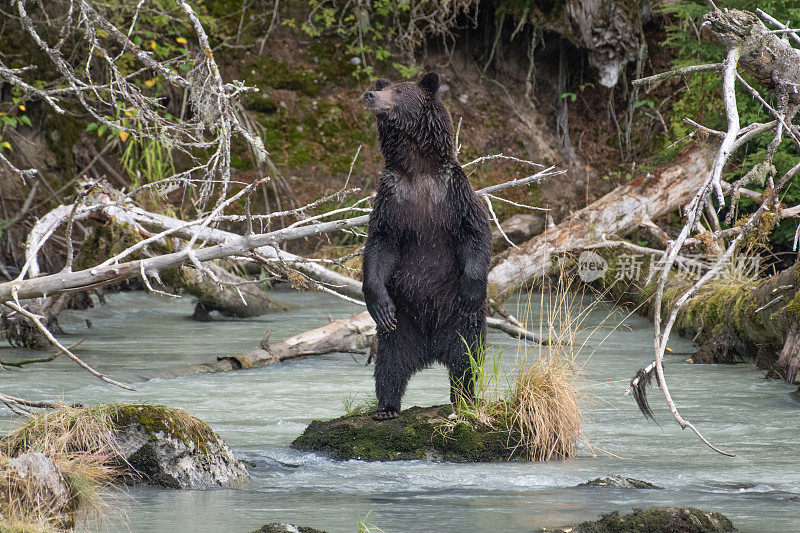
(259, 412)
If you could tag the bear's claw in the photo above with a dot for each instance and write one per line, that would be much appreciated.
(385, 414)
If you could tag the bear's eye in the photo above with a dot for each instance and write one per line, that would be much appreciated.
(396, 91)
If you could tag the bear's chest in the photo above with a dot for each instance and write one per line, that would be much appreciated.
(420, 203)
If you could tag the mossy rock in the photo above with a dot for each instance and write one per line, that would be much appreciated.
(659, 520)
(423, 433)
(620, 482)
(168, 447)
(286, 528)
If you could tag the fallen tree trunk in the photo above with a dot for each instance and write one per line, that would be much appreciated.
(236, 297)
(733, 320)
(351, 334)
(617, 213)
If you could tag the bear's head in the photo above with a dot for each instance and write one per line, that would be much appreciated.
(413, 124)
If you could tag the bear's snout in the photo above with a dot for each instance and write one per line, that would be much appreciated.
(378, 101)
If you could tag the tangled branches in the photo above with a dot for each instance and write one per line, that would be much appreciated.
(112, 84)
(776, 63)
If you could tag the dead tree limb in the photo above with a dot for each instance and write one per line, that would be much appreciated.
(63, 349)
(617, 213)
(776, 65)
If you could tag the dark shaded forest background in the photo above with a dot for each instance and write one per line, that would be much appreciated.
(521, 78)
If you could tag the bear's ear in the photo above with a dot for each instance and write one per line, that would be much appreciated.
(381, 83)
(430, 82)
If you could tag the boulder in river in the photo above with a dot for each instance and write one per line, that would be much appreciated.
(286, 528)
(621, 482)
(418, 433)
(136, 443)
(168, 447)
(659, 520)
(35, 485)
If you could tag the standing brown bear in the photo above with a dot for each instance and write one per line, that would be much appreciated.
(427, 254)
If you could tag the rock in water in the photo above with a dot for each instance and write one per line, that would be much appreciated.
(286, 528)
(418, 433)
(659, 520)
(619, 481)
(44, 487)
(170, 448)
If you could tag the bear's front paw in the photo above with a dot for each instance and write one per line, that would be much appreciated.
(383, 313)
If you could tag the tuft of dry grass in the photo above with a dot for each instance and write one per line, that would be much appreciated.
(543, 410)
(80, 442)
(540, 404)
(64, 431)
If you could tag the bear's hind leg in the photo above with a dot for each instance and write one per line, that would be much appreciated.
(451, 347)
(462, 381)
(399, 356)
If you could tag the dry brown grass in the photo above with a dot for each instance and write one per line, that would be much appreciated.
(80, 442)
(544, 393)
(540, 406)
(63, 431)
(545, 415)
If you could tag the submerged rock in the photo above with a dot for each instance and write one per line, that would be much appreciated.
(418, 433)
(286, 528)
(659, 520)
(170, 448)
(620, 481)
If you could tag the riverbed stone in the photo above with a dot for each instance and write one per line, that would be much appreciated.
(418, 433)
(44, 486)
(167, 447)
(620, 482)
(286, 528)
(659, 520)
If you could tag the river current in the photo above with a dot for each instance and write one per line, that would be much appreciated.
(259, 412)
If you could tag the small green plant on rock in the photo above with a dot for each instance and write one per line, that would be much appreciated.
(539, 406)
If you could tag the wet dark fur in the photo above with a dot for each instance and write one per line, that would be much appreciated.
(427, 254)
(639, 385)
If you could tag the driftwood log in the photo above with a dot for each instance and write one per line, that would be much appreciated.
(615, 214)
(351, 334)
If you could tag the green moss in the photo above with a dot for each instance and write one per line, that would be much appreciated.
(63, 133)
(281, 75)
(104, 242)
(793, 307)
(317, 132)
(659, 520)
(157, 418)
(416, 434)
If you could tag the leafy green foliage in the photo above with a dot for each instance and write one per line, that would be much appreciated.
(380, 34)
(702, 101)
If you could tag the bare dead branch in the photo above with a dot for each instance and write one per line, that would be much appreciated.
(63, 349)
